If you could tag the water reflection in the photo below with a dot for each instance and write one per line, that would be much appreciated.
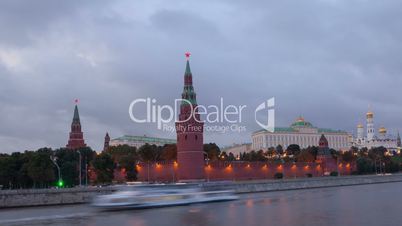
(369, 205)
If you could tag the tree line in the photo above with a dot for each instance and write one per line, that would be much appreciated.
(35, 169)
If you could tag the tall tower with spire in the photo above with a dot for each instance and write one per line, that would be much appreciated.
(76, 136)
(370, 125)
(189, 129)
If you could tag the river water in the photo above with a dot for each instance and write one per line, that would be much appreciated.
(366, 205)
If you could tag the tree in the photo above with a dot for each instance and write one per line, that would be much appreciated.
(365, 165)
(150, 153)
(169, 152)
(69, 173)
(305, 156)
(104, 168)
(68, 161)
(231, 157)
(293, 150)
(348, 156)
(212, 151)
(40, 168)
(377, 153)
(6, 171)
(260, 156)
(271, 152)
(279, 149)
(125, 157)
(128, 162)
(313, 150)
(120, 151)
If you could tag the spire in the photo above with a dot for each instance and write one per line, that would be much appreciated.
(188, 70)
(188, 90)
(398, 140)
(76, 117)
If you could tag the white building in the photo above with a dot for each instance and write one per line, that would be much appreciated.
(138, 141)
(302, 133)
(236, 149)
(371, 140)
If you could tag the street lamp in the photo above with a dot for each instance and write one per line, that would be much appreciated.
(60, 183)
(208, 166)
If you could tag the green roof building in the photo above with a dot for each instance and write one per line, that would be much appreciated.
(138, 141)
(302, 133)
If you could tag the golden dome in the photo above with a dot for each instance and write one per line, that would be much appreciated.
(382, 130)
(370, 114)
(300, 119)
(360, 126)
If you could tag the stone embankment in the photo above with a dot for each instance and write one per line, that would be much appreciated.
(43, 197)
(306, 183)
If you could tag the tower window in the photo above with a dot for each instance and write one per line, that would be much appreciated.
(196, 137)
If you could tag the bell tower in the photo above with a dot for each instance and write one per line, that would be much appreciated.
(189, 129)
(370, 125)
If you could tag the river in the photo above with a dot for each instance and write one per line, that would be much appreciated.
(366, 205)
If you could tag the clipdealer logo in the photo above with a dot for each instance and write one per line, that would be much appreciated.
(218, 118)
(267, 106)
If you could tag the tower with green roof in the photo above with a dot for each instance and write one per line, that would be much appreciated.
(189, 129)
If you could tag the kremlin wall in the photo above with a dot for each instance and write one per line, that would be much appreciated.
(236, 171)
(243, 170)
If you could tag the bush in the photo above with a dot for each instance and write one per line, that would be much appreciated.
(309, 175)
(365, 165)
(333, 174)
(392, 167)
(278, 176)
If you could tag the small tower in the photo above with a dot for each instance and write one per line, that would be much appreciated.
(76, 139)
(370, 126)
(323, 143)
(324, 156)
(189, 129)
(360, 132)
(398, 140)
(106, 143)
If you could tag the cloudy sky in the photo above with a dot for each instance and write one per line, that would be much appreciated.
(328, 60)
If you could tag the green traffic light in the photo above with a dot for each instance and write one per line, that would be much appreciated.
(60, 183)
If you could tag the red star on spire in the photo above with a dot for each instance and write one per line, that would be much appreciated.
(187, 54)
(76, 101)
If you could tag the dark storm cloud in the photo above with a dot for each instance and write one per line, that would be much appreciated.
(325, 60)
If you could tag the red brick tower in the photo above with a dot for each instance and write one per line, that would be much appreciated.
(76, 136)
(189, 129)
(324, 156)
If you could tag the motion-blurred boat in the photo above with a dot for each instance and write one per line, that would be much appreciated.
(139, 197)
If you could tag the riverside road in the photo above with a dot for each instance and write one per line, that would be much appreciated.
(368, 205)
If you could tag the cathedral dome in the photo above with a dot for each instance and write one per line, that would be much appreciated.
(360, 126)
(370, 114)
(382, 130)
